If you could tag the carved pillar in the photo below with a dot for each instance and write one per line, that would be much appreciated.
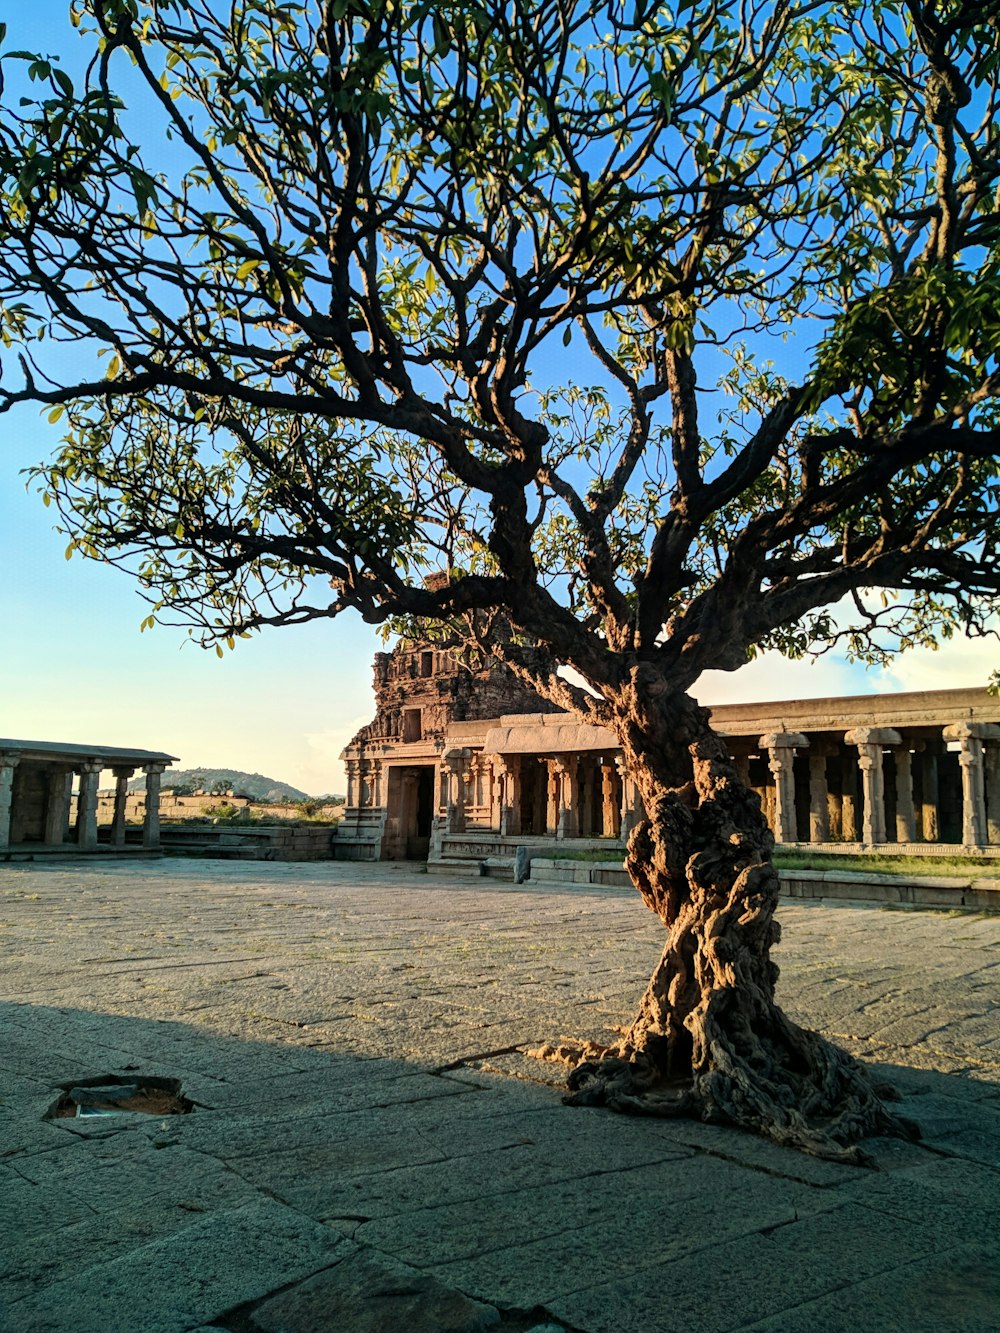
(351, 769)
(454, 772)
(8, 762)
(931, 795)
(151, 822)
(849, 829)
(971, 737)
(870, 742)
(376, 782)
(610, 808)
(365, 783)
(86, 804)
(497, 771)
(991, 759)
(510, 823)
(122, 776)
(819, 797)
(905, 821)
(631, 809)
(567, 768)
(553, 786)
(781, 747)
(57, 807)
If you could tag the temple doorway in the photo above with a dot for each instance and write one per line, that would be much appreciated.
(410, 812)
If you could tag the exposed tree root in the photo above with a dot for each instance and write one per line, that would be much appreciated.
(709, 1041)
(825, 1108)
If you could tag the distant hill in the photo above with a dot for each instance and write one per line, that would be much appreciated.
(254, 785)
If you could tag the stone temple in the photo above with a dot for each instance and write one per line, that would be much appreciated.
(461, 765)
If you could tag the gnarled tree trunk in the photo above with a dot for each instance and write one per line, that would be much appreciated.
(709, 1041)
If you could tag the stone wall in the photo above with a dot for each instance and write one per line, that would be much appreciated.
(255, 842)
(201, 805)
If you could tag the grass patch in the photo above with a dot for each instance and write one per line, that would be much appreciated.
(881, 864)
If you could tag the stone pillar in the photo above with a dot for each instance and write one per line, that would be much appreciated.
(376, 772)
(86, 804)
(455, 765)
(610, 809)
(849, 822)
(631, 808)
(8, 762)
(781, 747)
(905, 821)
(567, 767)
(151, 822)
(929, 818)
(971, 737)
(819, 797)
(122, 776)
(57, 807)
(870, 742)
(991, 760)
(552, 788)
(351, 769)
(510, 823)
(496, 791)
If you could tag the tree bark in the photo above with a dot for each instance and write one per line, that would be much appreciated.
(709, 1041)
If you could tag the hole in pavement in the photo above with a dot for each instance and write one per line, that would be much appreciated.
(111, 1095)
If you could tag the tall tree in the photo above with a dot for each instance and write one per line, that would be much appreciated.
(392, 286)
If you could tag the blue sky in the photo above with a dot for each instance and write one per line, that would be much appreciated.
(74, 666)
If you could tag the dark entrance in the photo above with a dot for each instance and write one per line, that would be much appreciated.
(533, 779)
(418, 829)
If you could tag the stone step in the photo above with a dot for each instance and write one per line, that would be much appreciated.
(489, 867)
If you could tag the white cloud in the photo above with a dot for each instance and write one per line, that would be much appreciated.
(959, 663)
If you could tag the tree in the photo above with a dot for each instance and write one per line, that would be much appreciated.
(389, 287)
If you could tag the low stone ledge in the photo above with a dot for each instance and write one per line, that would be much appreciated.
(972, 894)
(917, 890)
(264, 842)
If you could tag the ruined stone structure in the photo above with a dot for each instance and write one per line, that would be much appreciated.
(396, 771)
(36, 794)
(460, 766)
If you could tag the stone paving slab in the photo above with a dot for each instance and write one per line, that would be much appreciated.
(953, 1288)
(368, 1152)
(218, 1262)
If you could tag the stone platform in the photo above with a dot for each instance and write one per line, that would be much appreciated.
(370, 1149)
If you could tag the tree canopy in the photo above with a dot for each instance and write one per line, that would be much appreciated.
(662, 327)
(664, 332)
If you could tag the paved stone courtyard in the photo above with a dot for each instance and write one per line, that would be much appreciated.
(370, 1150)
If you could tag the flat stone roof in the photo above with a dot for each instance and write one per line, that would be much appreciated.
(912, 708)
(556, 737)
(546, 733)
(47, 751)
